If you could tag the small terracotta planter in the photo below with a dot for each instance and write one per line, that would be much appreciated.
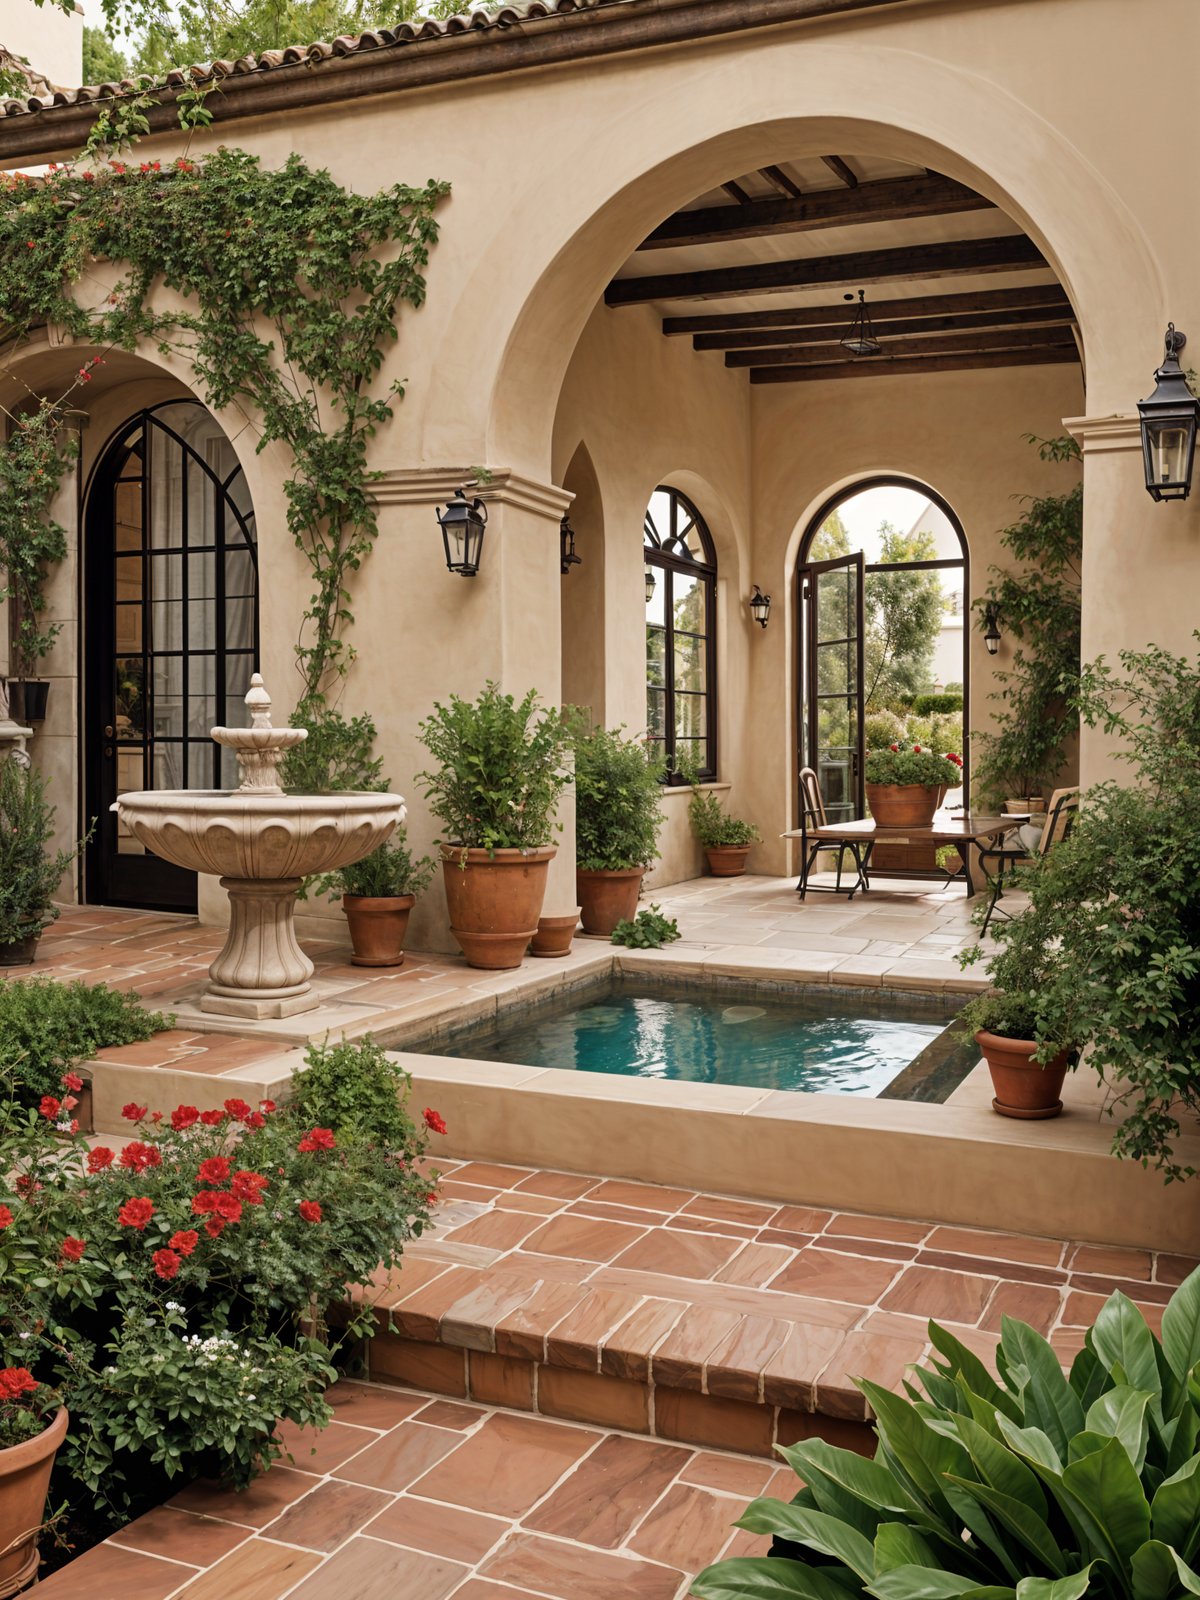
(727, 860)
(607, 897)
(1024, 1087)
(903, 805)
(378, 924)
(20, 952)
(24, 1482)
(495, 901)
(554, 935)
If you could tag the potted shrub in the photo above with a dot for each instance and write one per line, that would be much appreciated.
(906, 785)
(725, 840)
(378, 894)
(29, 876)
(617, 819)
(501, 765)
(33, 1424)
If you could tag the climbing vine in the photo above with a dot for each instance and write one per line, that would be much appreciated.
(279, 288)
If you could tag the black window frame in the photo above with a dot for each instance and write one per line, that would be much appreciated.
(665, 552)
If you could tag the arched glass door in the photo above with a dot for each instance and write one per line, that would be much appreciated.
(171, 629)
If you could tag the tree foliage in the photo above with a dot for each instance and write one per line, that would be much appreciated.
(103, 61)
(903, 618)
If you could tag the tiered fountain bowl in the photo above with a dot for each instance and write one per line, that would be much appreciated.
(262, 843)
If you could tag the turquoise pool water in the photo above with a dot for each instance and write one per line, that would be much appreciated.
(838, 1044)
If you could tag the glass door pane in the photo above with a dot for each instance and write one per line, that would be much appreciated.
(833, 690)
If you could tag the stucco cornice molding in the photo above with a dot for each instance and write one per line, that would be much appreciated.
(432, 486)
(1120, 431)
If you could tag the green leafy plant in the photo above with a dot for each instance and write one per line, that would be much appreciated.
(649, 930)
(913, 765)
(1037, 1487)
(29, 874)
(1039, 610)
(882, 727)
(618, 794)
(1108, 950)
(501, 767)
(48, 1028)
(711, 823)
(387, 873)
(25, 1406)
(934, 705)
(354, 1087)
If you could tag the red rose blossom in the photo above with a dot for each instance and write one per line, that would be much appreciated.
(255, 1120)
(133, 1112)
(99, 1158)
(72, 1249)
(433, 1121)
(16, 1381)
(310, 1210)
(214, 1170)
(135, 1213)
(71, 1081)
(238, 1109)
(204, 1202)
(184, 1242)
(895, 748)
(50, 1107)
(136, 1156)
(248, 1186)
(214, 1227)
(210, 1119)
(166, 1263)
(6, 1217)
(916, 749)
(317, 1139)
(267, 1105)
(229, 1207)
(183, 1117)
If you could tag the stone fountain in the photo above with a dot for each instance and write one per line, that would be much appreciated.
(262, 842)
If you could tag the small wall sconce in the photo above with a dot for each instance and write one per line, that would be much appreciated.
(991, 627)
(462, 524)
(1169, 426)
(760, 606)
(567, 556)
(651, 584)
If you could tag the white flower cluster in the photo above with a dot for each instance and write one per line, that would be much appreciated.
(217, 1347)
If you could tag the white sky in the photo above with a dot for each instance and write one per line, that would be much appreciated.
(863, 513)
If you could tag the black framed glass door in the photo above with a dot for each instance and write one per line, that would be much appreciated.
(171, 619)
(831, 686)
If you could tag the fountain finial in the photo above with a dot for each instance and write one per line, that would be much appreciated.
(260, 747)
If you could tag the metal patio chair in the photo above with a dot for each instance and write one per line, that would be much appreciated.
(813, 807)
(1060, 819)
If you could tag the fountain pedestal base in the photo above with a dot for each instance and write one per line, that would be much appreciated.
(261, 971)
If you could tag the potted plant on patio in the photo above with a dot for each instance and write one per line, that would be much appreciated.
(29, 877)
(378, 894)
(906, 784)
(501, 765)
(725, 840)
(617, 821)
(33, 1423)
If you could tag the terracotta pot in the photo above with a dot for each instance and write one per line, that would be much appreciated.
(554, 935)
(1024, 1087)
(903, 805)
(24, 1482)
(606, 898)
(19, 952)
(495, 901)
(727, 860)
(378, 924)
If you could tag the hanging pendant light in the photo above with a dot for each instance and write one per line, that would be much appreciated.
(860, 337)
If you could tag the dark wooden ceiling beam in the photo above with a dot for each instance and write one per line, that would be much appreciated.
(977, 300)
(908, 263)
(755, 339)
(1055, 356)
(779, 179)
(842, 170)
(888, 200)
(736, 192)
(942, 344)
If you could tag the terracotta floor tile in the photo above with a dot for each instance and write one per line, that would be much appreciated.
(883, 1359)
(449, 1414)
(746, 1212)
(369, 1569)
(500, 1230)
(507, 1466)
(257, 1570)
(495, 1177)
(522, 1331)
(400, 1457)
(326, 1518)
(683, 1255)
(520, 1200)
(471, 1321)
(706, 1420)
(482, 1589)
(1034, 1303)
(744, 1543)
(649, 1197)
(945, 1296)
(790, 1375)
(800, 1219)
(607, 1212)
(997, 1246)
(734, 1367)
(1081, 1310)
(891, 1229)
(181, 1536)
(568, 1572)
(322, 1451)
(559, 1185)
(1110, 1261)
(254, 1507)
(988, 1266)
(583, 1238)
(755, 1264)
(1143, 1293)
(368, 1405)
(591, 1397)
(688, 1527)
(829, 1274)
(626, 1351)
(881, 1249)
(108, 1570)
(437, 1529)
(575, 1341)
(1174, 1269)
(442, 1368)
(609, 1491)
(729, 1474)
(694, 1224)
(418, 1315)
(678, 1359)
(453, 1190)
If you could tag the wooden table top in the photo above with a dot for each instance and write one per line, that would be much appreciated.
(946, 829)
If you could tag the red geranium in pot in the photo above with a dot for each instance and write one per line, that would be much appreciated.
(906, 784)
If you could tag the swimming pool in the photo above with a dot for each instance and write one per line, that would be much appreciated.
(823, 1039)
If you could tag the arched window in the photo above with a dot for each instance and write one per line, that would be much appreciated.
(681, 673)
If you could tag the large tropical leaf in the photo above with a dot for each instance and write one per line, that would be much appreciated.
(897, 1545)
(1031, 1443)
(848, 1485)
(1089, 1376)
(1029, 1529)
(1159, 1573)
(1181, 1326)
(1071, 1587)
(1102, 1498)
(1000, 1467)
(766, 1578)
(1050, 1403)
(1175, 1510)
(1125, 1344)
(923, 1454)
(965, 1363)
(815, 1529)
(931, 1583)
(1120, 1413)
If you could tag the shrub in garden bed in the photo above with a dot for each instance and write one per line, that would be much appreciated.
(47, 1027)
(174, 1292)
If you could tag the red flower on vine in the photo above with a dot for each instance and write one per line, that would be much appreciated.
(135, 1213)
(310, 1210)
(72, 1249)
(71, 1081)
(433, 1121)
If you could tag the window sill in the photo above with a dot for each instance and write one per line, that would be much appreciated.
(669, 790)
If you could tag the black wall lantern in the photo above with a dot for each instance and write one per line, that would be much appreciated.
(651, 584)
(462, 524)
(566, 554)
(1169, 426)
(991, 628)
(760, 606)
